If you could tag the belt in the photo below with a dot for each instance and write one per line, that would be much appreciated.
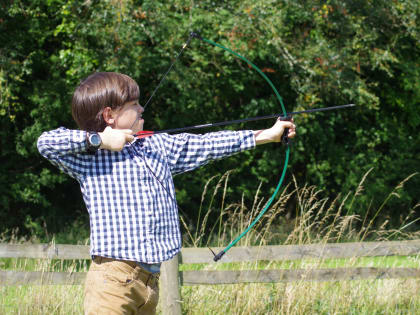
(151, 271)
(152, 268)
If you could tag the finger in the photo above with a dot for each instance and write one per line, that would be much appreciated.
(291, 134)
(288, 124)
(284, 123)
(129, 138)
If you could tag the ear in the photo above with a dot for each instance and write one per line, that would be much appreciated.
(108, 115)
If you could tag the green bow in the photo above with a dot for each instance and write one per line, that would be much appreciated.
(283, 173)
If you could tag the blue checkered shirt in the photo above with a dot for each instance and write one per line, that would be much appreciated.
(132, 216)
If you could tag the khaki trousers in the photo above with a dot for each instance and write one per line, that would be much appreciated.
(120, 287)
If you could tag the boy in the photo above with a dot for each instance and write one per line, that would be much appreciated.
(128, 188)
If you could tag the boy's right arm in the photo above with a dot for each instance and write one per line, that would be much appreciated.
(64, 148)
(67, 149)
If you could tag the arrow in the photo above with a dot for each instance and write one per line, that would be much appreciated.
(147, 133)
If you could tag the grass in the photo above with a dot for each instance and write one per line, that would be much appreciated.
(53, 299)
(344, 297)
(394, 296)
(317, 220)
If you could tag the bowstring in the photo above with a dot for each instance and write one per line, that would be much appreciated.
(163, 78)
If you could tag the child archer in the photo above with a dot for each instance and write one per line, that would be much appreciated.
(128, 188)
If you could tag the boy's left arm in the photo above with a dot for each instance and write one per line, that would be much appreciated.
(186, 152)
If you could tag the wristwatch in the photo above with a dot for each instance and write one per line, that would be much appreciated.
(94, 141)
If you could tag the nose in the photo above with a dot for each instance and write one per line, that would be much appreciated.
(139, 109)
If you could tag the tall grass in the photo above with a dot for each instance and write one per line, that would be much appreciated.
(317, 219)
(314, 219)
(344, 297)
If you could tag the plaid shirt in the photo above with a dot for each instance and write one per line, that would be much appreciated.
(132, 217)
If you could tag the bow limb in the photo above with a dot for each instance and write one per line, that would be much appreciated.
(286, 162)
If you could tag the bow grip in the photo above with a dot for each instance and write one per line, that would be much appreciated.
(285, 136)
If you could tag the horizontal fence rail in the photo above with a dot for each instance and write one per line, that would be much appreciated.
(236, 254)
(11, 277)
(211, 277)
(297, 252)
(47, 251)
(289, 275)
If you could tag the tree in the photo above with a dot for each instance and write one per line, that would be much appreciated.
(318, 53)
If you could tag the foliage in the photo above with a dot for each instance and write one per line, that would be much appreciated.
(318, 53)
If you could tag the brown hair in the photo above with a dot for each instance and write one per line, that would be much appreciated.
(100, 90)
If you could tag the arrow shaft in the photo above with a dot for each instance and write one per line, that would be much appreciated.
(238, 121)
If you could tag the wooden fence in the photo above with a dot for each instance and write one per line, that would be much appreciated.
(172, 278)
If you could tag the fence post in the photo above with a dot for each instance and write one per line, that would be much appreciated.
(171, 297)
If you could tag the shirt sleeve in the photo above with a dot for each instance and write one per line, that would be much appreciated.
(66, 149)
(186, 152)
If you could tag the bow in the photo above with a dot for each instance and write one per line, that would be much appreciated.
(284, 137)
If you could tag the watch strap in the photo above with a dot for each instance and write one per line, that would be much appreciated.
(91, 147)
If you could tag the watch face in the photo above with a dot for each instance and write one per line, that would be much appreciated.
(95, 140)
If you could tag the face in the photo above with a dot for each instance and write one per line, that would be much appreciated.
(129, 117)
